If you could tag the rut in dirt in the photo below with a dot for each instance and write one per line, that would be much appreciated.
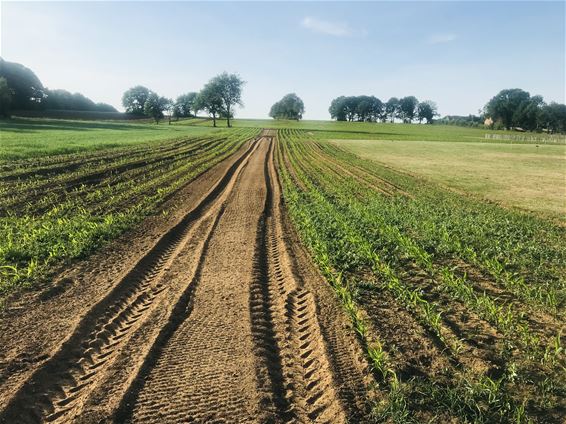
(252, 336)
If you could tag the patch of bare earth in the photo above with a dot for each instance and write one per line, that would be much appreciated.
(211, 314)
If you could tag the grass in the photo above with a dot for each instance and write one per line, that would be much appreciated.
(23, 138)
(377, 131)
(526, 176)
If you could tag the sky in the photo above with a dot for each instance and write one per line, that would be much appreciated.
(458, 54)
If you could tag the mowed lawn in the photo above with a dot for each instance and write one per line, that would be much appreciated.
(526, 176)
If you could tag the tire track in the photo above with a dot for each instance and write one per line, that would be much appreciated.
(204, 370)
(310, 380)
(245, 334)
(54, 391)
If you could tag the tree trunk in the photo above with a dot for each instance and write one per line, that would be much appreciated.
(228, 117)
(214, 119)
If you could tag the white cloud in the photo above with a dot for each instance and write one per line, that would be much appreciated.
(440, 38)
(336, 29)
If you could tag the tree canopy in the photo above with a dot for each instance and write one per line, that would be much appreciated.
(26, 88)
(516, 108)
(185, 105)
(371, 109)
(503, 106)
(209, 100)
(134, 99)
(229, 89)
(5, 98)
(426, 110)
(408, 108)
(357, 108)
(155, 105)
(64, 100)
(392, 108)
(289, 107)
(220, 95)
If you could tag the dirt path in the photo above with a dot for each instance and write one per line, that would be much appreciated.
(223, 320)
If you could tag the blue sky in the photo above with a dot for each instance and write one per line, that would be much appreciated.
(458, 54)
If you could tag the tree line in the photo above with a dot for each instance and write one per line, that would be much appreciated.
(516, 108)
(218, 98)
(371, 109)
(21, 89)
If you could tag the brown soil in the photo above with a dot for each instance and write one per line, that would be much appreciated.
(210, 314)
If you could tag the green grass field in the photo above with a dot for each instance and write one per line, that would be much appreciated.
(528, 176)
(381, 131)
(25, 138)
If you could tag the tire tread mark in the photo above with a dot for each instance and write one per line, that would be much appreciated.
(81, 355)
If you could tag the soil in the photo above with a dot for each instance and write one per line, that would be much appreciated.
(210, 313)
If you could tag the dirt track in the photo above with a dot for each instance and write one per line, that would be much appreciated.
(223, 319)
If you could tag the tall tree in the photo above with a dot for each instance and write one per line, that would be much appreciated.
(376, 109)
(185, 104)
(337, 109)
(229, 88)
(392, 108)
(527, 112)
(5, 98)
(426, 110)
(26, 88)
(210, 100)
(408, 108)
(503, 106)
(363, 108)
(155, 105)
(552, 118)
(289, 107)
(134, 99)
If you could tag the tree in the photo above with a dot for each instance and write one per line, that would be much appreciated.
(392, 108)
(527, 113)
(289, 107)
(426, 110)
(504, 105)
(552, 117)
(185, 105)
(26, 88)
(134, 99)
(155, 105)
(105, 107)
(337, 109)
(5, 98)
(228, 87)
(376, 109)
(408, 108)
(209, 99)
(363, 108)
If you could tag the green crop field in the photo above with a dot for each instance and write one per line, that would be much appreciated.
(57, 206)
(446, 249)
(458, 302)
(23, 138)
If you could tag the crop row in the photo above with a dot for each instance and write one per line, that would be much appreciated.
(356, 235)
(40, 229)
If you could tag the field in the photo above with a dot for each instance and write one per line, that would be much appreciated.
(526, 176)
(27, 138)
(310, 272)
